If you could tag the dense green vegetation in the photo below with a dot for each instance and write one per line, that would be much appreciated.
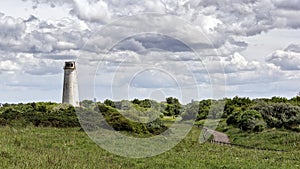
(38, 114)
(252, 115)
(49, 135)
(144, 116)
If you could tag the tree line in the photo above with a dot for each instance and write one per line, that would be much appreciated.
(251, 114)
(146, 116)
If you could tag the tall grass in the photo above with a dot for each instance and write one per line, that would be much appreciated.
(40, 148)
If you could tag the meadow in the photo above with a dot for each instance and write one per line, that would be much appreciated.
(50, 135)
(48, 147)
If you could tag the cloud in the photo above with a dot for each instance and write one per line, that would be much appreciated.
(263, 74)
(142, 43)
(43, 67)
(237, 63)
(153, 79)
(132, 45)
(127, 66)
(31, 18)
(287, 18)
(287, 59)
(288, 5)
(158, 33)
(153, 41)
(38, 36)
(96, 11)
(28, 64)
(245, 17)
(52, 3)
(57, 56)
(11, 29)
(293, 48)
(45, 25)
(220, 20)
(8, 66)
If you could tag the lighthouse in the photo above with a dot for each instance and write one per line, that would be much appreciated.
(70, 88)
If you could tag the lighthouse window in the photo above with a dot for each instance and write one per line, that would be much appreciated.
(70, 65)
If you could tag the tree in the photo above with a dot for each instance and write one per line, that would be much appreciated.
(279, 99)
(146, 103)
(136, 101)
(110, 103)
(249, 120)
(204, 107)
(173, 107)
(279, 114)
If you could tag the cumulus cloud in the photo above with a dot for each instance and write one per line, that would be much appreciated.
(37, 47)
(288, 5)
(220, 20)
(29, 64)
(245, 17)
(11, 29)
(31, 18)
(293, 48)
(238, 63)
(9, 66)
(43, 67)
(52, 3)
(95, 11)
(264, 73)
(286, 59)
(288, 18)
(36, 36)
(132, 45)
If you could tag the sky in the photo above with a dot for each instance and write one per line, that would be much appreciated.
(189, 49)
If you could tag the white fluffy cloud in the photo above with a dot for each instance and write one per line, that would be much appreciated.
(38, 47)
(220, 20)
(287, 59)
(96, 11)
(11, 28)
(237, 63)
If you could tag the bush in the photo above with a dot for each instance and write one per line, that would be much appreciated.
(249, 120)
(130, 123)
(39, 114)
(3, 122)
(259, 128)
(279, 115)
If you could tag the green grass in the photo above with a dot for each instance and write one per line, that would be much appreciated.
(70, 148)
(271, 138)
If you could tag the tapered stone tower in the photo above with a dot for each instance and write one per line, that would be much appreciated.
(70, 90)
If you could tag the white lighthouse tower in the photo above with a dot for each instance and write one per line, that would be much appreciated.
(70, 90)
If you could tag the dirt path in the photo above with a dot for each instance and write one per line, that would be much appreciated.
(217, 136)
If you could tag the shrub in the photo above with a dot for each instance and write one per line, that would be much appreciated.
(279, 115)
(249, 120)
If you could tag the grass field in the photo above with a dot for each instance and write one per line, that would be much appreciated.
(33, 147)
